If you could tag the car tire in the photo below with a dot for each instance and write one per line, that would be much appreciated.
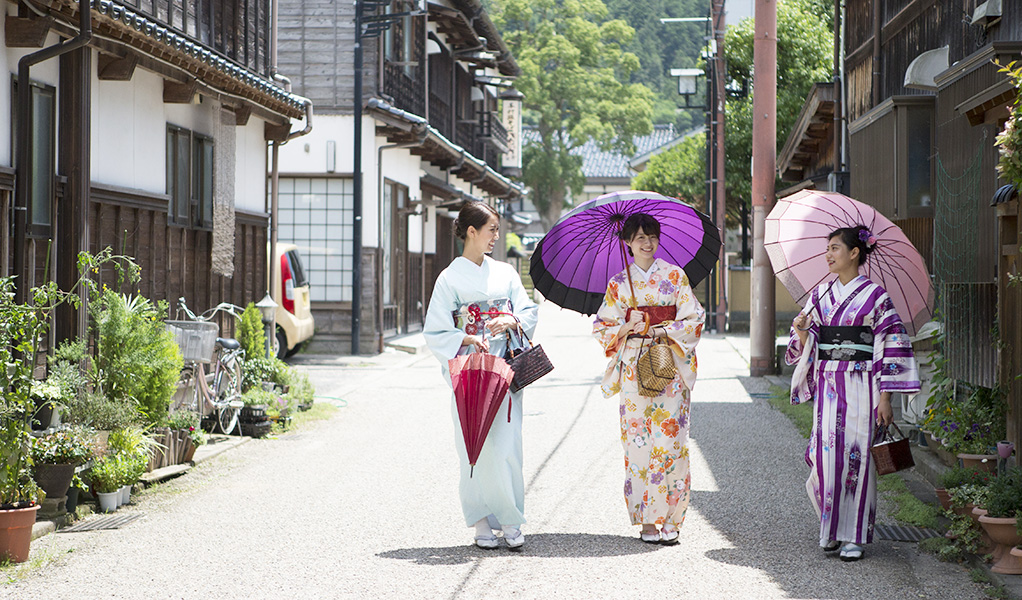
(281, 344)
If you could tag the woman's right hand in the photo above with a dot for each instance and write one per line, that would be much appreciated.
(480, 343)
(634, 322)
(801, 325)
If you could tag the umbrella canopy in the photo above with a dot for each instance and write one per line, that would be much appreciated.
(480, 382)
(795, 238)
(574, 261)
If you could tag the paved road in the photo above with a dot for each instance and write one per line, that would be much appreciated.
(365, 505)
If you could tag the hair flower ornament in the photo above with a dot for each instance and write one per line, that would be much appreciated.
(866, 237)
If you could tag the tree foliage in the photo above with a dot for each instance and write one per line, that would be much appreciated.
(678, 172)
(576, 80)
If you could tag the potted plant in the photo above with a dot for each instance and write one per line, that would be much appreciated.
(55, 457)
(106, 482)
(964, 499)
(1003, 502)
(47, 398)
(958, 476)
(188, 424)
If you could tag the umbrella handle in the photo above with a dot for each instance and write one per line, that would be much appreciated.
(628, 271)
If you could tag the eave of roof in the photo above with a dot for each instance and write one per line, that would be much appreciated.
(815, 122)
(115, 20)
(403, 126)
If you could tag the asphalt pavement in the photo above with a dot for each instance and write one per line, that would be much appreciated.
(365, 505)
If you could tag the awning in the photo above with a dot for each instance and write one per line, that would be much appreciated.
(814, 127)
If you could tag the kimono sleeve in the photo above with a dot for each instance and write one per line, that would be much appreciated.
(610, 317)
(803, 382)
(524, 308)
(442, 337)
(894, 364)
(684, 332)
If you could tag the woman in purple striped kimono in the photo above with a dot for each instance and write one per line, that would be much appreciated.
(851, 351)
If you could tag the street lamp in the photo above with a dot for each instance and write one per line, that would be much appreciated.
(687, 83)
(268, 309)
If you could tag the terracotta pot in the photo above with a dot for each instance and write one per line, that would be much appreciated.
(1003, 533)
(944, 497)
(986, 546)
(985, 462)
(989, 546)
(16, 533)
(54, 479)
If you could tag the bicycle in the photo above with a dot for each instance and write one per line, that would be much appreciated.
(216, 396)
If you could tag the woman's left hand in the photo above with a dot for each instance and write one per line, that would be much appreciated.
(501, 324)
(885, 414)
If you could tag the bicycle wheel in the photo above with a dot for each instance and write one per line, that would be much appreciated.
(228, 384)
(226, 418)
(184, 397)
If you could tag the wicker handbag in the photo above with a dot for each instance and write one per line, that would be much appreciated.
(655, 369)
(528, 362)
(890, 455)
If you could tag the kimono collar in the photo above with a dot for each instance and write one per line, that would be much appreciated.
(841, 290)
(653, 267)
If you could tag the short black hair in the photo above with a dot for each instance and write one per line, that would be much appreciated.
(639, 221)
(852, 237)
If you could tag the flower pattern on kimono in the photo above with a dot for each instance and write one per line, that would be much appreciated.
(660, 415)
(471, 329)
(666, 287)
(639, 441)
(635, 427)
(670, 427)
(628, 487)
(854, 462)
(657, 478)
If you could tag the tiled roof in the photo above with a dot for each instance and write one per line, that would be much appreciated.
(600, 163)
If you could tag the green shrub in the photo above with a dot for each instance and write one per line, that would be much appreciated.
(137, 359)
(959, 476)
(67, 446)
(93, 409)
(1005, 497)
(258, 370)
(251, 332)
(301, 390)
(106, 474)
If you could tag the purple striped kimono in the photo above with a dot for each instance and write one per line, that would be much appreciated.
(845, 377)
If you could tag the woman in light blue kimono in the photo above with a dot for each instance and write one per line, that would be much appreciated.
(475, 301)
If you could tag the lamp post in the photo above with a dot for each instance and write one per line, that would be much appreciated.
(268, 308)
(715, 190)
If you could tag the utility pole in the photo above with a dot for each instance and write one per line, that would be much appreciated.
(764, 166)
(719, 71)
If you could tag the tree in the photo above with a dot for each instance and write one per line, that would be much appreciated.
(575, 76)
(804, 57)
(679, 172)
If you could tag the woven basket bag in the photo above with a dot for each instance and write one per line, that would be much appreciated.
(655, 369)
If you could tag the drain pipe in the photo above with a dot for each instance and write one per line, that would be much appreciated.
(419, 140)
(271, 277)
(24, 167)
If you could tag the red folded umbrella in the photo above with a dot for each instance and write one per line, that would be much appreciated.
(480, 382)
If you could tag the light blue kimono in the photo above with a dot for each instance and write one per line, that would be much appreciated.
(496, 488)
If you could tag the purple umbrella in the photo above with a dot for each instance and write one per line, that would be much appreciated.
(574, 261)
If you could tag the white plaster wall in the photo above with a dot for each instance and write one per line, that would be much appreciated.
(250, 166)
(45, 72)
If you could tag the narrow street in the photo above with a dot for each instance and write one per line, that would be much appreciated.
(365, 505)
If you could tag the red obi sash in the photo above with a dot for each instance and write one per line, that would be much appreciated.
(656, 314)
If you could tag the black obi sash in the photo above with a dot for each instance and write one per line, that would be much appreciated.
(846, 343)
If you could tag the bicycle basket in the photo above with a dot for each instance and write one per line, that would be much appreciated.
(195, 338)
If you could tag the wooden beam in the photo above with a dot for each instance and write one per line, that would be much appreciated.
(28, 32)
(118, 68)
(241, 114)
(179, 93)
(273, 132)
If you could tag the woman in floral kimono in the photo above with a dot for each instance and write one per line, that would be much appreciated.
(851, 351)
(475, 301)
(654, 430)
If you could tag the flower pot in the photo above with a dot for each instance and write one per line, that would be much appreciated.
(72, 499)
(985, 462)
(125, 494)
(16, 533)
(108, 500)
(989, 546)
(43, 415)
(1003, 533)
(944, 498)
(54, 479)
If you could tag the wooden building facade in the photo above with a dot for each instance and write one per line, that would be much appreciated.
(432, 138)
(159, 151)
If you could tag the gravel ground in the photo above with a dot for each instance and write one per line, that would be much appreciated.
(365, 505)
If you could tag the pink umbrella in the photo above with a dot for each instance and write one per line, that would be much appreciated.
(795, 237)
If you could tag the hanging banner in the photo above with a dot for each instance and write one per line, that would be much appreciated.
(512, 121)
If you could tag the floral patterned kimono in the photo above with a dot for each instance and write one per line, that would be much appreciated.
(465, 297)
(654, 431)
(861, 350)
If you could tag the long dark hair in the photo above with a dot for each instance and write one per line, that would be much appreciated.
(473, 214)
(856, 237)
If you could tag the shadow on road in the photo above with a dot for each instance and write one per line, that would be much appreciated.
(540, 545)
